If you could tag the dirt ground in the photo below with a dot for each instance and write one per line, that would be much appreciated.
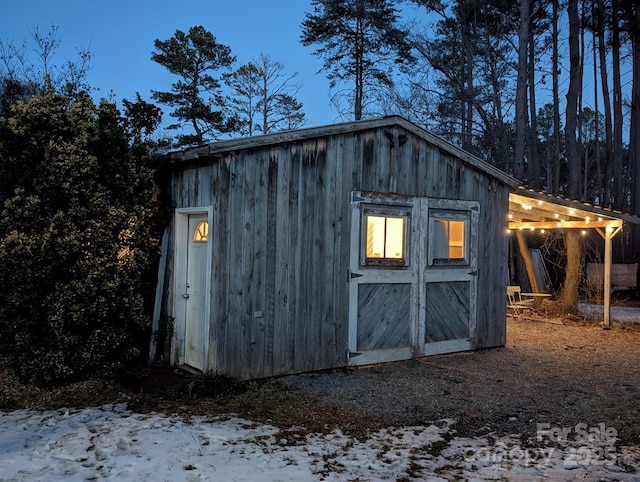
(560, 372)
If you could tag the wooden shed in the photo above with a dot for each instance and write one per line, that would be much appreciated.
(348, 244)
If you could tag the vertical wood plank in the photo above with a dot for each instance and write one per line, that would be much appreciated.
(383, 157)
(282, 226)
(296, 200)
(272, 258)
(351, 160)
(331, 249)
(234, 341)
(247, 240)
(422, 168)
(258, 233)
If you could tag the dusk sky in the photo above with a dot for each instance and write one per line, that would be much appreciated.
(120, 35)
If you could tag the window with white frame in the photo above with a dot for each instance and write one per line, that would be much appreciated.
(449, 237)
(384, 236)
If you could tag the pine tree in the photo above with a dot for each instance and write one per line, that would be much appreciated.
(360, 42)
(197, 97)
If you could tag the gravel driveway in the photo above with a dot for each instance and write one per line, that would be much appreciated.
(559, 373)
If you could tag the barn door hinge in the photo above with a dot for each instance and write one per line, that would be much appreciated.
(354, 198)
(352, 354)
(354, 275)
(473, 273)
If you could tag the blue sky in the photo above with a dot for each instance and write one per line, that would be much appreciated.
(120, 35)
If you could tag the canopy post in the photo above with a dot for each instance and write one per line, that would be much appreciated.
(608, 235)
(607, 277)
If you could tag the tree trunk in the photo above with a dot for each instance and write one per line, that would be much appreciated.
(619, 194)
(265, 102)
(608, 126)
(634, 134)
(521, 91)
(533, 157)
(468, 90)
(584, 162)
(359, 68)
(597, 194)
(528, 262)
(555, 182)
(573, 108)
(574, 268)
(496, 123)
(573, 273)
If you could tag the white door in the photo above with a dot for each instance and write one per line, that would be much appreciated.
(382, 288)
(450, 277)
(196, 291)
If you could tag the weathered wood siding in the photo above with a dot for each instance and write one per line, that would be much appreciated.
(278, 290)
(417, 167)
(281, 236)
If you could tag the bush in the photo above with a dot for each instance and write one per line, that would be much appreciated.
(78, 238)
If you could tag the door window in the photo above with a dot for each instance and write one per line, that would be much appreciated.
(448, 238)
(384, 236)
(201, 233)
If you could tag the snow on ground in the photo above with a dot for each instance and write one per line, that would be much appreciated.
(622, 314)
(111, 443)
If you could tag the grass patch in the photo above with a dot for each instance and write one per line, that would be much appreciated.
(173, 391)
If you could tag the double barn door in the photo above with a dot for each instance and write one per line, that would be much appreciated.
(412, 277)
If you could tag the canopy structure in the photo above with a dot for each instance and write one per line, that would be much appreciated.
(531, 210)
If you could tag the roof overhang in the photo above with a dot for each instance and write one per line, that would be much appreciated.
(531, 210)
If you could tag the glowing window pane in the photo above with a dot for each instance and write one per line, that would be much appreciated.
(201, 234)
(448, 239)
(456, 239)
(385, 237)
(395, 238)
